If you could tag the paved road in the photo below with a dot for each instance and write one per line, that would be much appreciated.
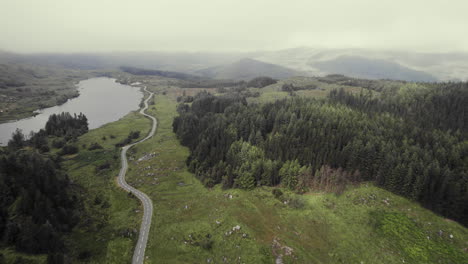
(139, 254)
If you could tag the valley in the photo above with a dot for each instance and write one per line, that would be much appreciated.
(195, 221)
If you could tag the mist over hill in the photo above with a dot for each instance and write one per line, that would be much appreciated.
(374, 64)
(246, 69)
(361, 67)
(443, 66)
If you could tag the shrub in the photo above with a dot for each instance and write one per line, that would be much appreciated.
(69, 149)
(58, 143)
(296, 203)
(261, 82)
(134, 134)
(44, 148)
(84, 255)
(103, 166)
(128, 140)
(277, 193)
(94, 146)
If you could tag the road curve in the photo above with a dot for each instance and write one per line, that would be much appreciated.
(139, 254)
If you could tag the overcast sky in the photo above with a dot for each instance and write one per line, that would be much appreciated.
(231, 25)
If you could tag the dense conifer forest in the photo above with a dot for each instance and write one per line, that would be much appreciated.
(408, 138)
(37, 204)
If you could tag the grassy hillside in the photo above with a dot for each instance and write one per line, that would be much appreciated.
(195, 224)
(247, 69)
(111, 218)
(321, 89)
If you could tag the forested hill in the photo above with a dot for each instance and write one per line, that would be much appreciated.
(167, 74)
(410, 139)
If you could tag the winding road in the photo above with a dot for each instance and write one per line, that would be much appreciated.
(139, 254)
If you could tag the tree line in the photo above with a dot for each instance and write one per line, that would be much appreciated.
(307, 144)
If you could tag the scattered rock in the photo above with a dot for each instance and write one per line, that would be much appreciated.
(147, 156)
(386, 201)
(279, 251)
(287, 250)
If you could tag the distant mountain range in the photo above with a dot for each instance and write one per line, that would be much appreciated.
(317, 62)
(372, 64)
(361, 67)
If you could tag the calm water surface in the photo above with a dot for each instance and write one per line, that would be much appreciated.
(102, 100)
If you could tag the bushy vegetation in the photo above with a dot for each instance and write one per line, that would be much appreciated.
(291, 87)
(35, 205)
(411, 141)
(261, 82)
(95, 146)
(168, 74)
(69, 149)
(64, 124)
(210, 83)
(131, 136)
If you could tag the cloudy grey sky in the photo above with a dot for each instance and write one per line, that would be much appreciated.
(231, 25)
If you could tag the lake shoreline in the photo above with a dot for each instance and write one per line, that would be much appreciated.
(101, 99)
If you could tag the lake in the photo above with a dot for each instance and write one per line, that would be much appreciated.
(102, 100)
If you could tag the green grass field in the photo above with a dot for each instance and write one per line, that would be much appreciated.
(107, 230)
